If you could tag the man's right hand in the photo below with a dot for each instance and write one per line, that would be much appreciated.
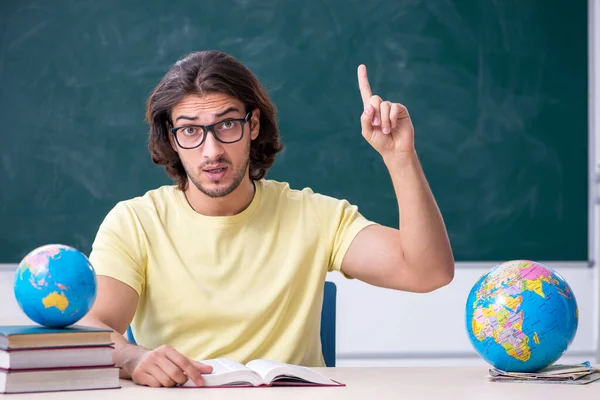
(114, 309)
(165, 366)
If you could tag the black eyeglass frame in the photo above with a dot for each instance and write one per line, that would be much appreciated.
(211, 128)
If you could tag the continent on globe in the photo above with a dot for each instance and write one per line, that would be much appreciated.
(37, 263)
(527, 310)
(54, 299)
(504, 326)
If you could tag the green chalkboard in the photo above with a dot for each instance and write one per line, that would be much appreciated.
(497, 91)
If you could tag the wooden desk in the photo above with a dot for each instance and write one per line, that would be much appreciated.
(362, 383)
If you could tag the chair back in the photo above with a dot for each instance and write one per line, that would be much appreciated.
(328, 315)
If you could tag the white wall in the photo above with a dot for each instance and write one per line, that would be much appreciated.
(384, 327)
(10, 313)
(378, 326)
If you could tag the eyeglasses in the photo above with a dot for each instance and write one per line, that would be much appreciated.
(230, 130)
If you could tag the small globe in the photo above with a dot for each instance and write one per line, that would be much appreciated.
(521, 316)
(55, 285)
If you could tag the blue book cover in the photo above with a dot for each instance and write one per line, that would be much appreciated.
(36, 336)
(11, 330)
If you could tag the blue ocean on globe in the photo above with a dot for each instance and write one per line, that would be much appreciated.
(55, 285)
(521, 316)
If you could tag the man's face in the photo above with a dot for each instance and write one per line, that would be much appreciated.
(215, 168)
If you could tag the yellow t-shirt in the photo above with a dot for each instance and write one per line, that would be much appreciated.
(246, 286)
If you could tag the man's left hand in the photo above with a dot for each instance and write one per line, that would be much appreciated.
(385, 125)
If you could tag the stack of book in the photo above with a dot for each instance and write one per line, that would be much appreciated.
(575, 374)
(39, 359)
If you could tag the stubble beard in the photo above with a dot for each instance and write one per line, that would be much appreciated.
(218, 192)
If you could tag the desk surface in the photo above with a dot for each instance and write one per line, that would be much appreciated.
(362, 383)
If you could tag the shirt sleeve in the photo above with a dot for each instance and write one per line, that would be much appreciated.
(117, 249)
(342, 222)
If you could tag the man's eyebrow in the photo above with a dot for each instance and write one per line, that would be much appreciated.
(186, 117)
(227, 111)
(217, 115)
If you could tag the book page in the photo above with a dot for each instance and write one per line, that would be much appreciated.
(271, 371)
(264, 367)
(222, 365)
(228, 372)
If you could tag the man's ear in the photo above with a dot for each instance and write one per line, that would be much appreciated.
(255, 123)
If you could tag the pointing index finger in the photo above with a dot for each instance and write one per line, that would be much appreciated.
(363, 84)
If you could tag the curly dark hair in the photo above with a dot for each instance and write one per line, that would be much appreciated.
(205, 72)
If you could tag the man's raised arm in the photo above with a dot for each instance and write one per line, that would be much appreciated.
(417, 257)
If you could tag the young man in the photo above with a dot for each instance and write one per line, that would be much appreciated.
(230, 264)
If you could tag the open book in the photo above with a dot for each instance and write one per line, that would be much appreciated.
(228, 372)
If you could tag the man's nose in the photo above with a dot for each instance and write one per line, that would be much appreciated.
(212, 148)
